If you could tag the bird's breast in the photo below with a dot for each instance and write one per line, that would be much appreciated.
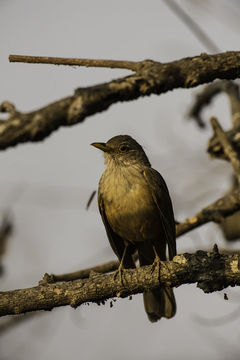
(129, 207)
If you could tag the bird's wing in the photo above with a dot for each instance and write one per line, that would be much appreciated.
(116, 242)
(163, 202)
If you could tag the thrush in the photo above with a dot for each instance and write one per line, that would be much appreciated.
(137, 213)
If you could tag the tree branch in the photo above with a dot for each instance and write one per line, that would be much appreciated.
(223, 144)
(215, 212)
(228, 149)
(215, 149)
(215, 146)
(211, 272)
(113, 64)
(194, 27)
(83, 274)
(6, 229)
(151, 77)
(204, 98)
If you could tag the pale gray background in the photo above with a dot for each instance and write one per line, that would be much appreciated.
(47, 184)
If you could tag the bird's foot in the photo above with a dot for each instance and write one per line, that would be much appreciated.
(156, 265)
(119, 273)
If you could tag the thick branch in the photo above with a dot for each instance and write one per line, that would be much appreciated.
(151, 78)
(211, 271)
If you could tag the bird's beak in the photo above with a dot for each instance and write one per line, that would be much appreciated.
(101, 146)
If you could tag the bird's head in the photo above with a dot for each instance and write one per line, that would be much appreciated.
(123, 150)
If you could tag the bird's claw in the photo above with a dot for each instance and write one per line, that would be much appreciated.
(156, 264)
(119, 273)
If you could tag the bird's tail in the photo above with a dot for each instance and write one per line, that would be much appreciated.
(159, 302)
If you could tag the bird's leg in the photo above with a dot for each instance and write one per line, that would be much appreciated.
(120, 269)
(157, 261)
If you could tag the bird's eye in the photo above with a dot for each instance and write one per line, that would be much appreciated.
(124, 148)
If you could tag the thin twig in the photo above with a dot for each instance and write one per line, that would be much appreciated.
(6, 229)
(193, 26)
(113, 64)
(90, 199)
(83, 274)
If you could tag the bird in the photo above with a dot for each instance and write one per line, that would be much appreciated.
(137, 213)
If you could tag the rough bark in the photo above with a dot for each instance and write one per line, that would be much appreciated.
(211, 271)
(150, 77)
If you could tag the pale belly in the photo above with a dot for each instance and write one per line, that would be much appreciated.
(133, 214)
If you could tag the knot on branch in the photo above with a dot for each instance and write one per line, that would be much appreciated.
(146, 65)
(213, 263)
(47, 279)
(7, 107)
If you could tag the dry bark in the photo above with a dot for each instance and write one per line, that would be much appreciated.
(211, 271)
(150, 77)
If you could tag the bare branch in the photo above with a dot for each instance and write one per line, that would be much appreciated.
(211, 272)
(216, 212)
(224, 145)
(151, 78)
(230, 153)
(6, 229)
(215, 147)
(200, 34)
(205, 97)
(114, 64)
(83, 274)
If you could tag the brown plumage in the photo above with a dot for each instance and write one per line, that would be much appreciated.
(137, 213)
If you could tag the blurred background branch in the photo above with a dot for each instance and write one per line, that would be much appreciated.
(6, 229)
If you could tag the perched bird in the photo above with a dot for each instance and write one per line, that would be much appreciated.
(137, 212)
